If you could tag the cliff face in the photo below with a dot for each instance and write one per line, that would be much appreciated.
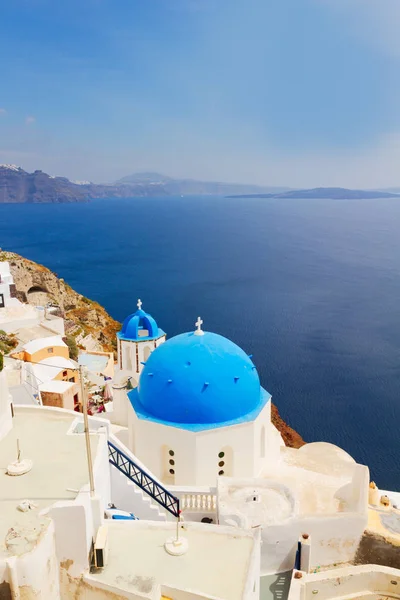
(289, 435)
(85, 320)
(16, 186)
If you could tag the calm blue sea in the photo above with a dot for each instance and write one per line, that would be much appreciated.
(310, 287)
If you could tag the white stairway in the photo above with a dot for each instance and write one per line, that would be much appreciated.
(127, 496)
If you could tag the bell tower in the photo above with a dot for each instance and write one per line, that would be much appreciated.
(139, 336)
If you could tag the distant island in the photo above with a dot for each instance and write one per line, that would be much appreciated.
(19, 186)
(324, 194)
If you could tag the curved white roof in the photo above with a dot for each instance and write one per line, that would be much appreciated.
(50, 367)
(41, 343)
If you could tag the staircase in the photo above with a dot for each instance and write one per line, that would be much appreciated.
(134, 490)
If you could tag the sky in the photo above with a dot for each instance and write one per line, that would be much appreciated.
(297, 93)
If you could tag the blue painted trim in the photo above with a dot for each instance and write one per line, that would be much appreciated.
(142, 414)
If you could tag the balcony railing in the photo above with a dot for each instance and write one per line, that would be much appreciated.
(197, 500)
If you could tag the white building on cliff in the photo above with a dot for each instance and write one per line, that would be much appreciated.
(200, 421)
(222, 508)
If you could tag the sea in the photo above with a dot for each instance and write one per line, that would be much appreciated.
(310, 288)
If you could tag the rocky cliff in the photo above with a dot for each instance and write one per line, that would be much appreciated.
(18, 186)
(85, 319)
(289, 435)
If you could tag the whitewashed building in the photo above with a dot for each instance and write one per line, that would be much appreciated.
(15, 315)
(200, 421)
(212, 504)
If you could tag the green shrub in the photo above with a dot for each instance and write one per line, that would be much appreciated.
(72, 347)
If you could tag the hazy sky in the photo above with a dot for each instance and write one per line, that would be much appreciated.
(280, 92)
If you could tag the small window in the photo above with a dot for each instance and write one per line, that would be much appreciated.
(72, 379)
(220, 472)
(50, 350)
(172, 471)
(221, 454)
(171, 453)
(65, 373)
(171, 461)
(221, 463)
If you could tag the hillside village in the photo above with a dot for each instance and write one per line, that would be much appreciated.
(136, 466)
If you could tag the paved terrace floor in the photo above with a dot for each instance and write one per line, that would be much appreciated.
(59, 465)
(316, 473)
(216, 563)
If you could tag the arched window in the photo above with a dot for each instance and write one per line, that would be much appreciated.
(262, 442)
(168, 462)
(225, 462)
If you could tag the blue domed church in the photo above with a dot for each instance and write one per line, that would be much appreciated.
(197, 410)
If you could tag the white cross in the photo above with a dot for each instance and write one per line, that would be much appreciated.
(198, 324)
(139, 304)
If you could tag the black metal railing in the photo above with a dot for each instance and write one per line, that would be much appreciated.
(143, 480)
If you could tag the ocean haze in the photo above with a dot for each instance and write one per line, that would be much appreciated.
(309, 287)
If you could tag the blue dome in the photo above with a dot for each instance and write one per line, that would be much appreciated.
(198, 379)
(140, 326)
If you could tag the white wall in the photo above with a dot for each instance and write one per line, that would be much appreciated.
(5, 291)
(5, 407)
(196, 453)
(101, 472)
(335, 540)
(34, 574)
(5, 281)
(353, 582)
(121, 403)
(151, 441)
(132, 354)
(70, 523)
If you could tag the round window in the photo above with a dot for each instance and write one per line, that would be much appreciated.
(220, 473)
(221, 463)
(171, 453)
(172, 471)
(221, 454)
(171, 461)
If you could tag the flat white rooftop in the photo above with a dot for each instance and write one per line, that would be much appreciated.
(59, 465)
(137, 560)
(26, 334)
(17, 313)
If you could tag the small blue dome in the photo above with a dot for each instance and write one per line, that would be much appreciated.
(198, 379)
(140, 326)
